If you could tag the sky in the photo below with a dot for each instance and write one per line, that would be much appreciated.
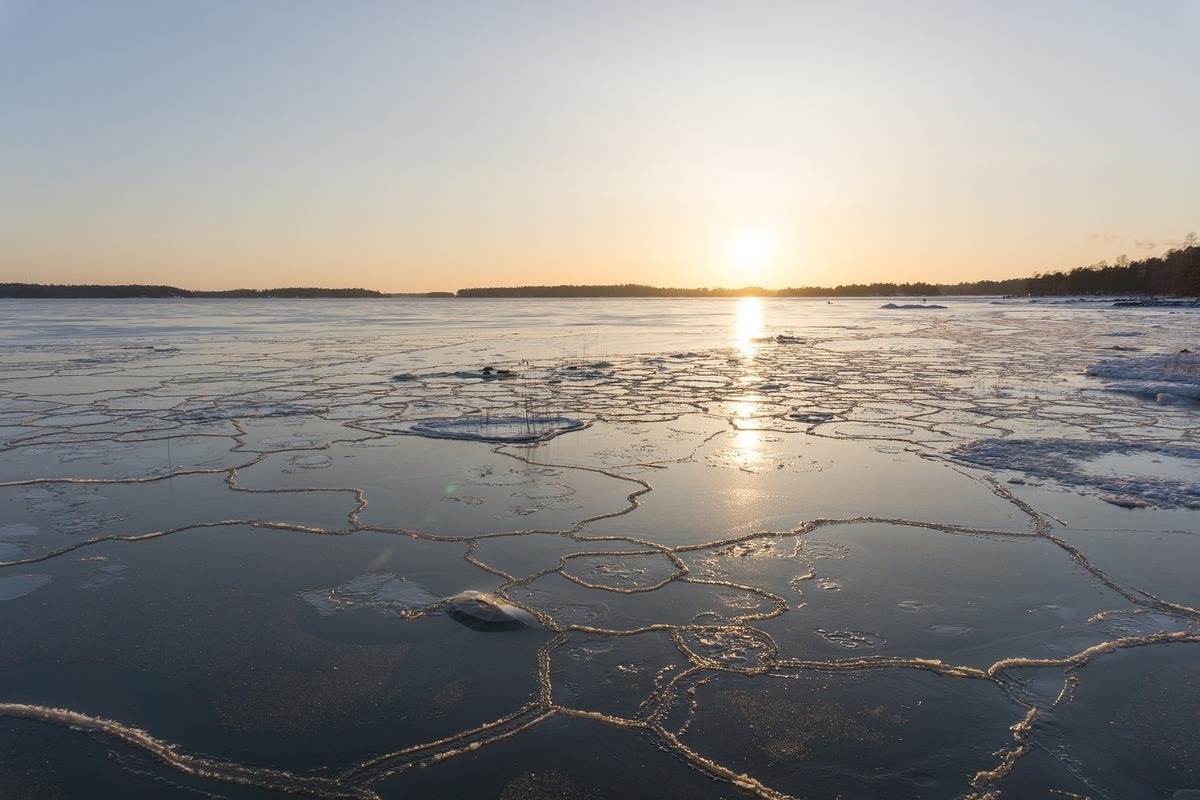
(434, 146)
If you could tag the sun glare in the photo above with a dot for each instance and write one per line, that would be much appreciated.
(749, 254)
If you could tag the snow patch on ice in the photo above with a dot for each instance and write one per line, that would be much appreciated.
(852, 640)
(205, 411)
(497, 429)
(296, 442)
(1165, 475)
(386, 594)
(484, 374)
(307, 461)
(1167, 378)
(731, 648)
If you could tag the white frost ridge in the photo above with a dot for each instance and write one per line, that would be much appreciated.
(1163, 376)
(497, 429)
(1068, 462)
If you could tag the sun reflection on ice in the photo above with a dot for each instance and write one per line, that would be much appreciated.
(743, 411)
(748, 326)
(747, 334)
(747, 446)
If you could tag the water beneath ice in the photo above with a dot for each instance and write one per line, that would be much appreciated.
(605, 548)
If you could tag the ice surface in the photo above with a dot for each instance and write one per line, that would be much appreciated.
(385, 594)
(789, 548)
(106, 575)
(14, 586)
(18, 532)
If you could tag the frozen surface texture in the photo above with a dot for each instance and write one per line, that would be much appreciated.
(376, 549)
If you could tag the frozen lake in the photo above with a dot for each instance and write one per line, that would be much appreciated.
(599, 548)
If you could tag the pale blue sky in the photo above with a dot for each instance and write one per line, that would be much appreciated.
(413, 147)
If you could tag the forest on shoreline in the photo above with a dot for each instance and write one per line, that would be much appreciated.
(1176, 273)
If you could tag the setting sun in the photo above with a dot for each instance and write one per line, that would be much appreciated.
(750, 255)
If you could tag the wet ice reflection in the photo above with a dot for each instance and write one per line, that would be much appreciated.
(815, 735)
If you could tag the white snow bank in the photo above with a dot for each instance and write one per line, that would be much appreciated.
(1165, 393)
(1165, 475)
(1182, 367)
(1165, 377)
(912, 306)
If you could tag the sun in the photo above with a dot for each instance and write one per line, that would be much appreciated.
(750, 255)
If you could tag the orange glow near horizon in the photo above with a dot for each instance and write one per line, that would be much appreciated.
(588, 146)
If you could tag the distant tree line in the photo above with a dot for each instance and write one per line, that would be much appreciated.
(1005, 288)
(862, 290)
(618, 290)
(1176, 273)
(641, 290)
(38, 290)
(66, 291)
(294, 291)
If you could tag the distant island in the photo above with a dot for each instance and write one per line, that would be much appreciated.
(1174, 274)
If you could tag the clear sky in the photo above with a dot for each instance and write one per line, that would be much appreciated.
(407, 146)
